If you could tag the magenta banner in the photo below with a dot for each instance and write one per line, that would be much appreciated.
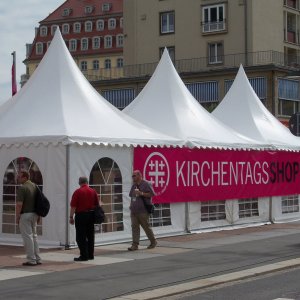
(184, 175)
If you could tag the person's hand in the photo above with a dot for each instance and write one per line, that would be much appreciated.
(72, 221)
(39, 220)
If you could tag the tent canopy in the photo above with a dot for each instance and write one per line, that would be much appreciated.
(166, 104)
(244, 112)
(58, 104)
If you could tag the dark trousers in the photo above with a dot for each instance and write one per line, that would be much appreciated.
(85, 233)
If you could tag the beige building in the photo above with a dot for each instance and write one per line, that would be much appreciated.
(208, 40)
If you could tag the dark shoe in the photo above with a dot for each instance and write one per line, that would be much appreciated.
(152, 245)
(80, 259)
(91, 257)
(133, 248)
(28, 263)
(38, 262)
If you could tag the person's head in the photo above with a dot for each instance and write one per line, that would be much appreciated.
(23, 176)
(137, 176)
(82, 180)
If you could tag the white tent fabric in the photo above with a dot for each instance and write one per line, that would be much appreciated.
(58, 104)
(166, 104)
(243, 111)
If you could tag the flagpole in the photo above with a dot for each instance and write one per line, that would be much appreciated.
(13, 75)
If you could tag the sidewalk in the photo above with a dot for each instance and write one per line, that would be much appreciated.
(179, 260)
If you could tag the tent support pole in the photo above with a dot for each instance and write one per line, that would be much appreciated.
(271, 210)
(187, 217)
(67, 242)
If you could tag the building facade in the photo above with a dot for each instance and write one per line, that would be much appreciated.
(93, 32)
(207, 41)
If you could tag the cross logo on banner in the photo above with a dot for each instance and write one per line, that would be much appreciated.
(157, 172)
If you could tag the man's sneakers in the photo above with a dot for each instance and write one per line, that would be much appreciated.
(152, 245)
(133, 248)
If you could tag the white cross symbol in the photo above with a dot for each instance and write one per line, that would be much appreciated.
(156, 173)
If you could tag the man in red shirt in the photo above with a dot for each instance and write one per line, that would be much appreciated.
(83, 203)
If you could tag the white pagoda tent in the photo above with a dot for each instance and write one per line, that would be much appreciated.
(60, 124)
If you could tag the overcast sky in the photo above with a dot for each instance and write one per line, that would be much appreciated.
(18, 18)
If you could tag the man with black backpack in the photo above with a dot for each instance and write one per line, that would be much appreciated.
(28, 219)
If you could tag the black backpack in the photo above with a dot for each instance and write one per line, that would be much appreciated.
(42, 204)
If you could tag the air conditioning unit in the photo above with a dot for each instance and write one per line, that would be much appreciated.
(106, 6)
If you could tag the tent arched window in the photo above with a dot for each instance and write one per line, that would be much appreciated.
(10, 185)
(106, 179)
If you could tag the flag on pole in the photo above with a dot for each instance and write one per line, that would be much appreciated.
(13, 75)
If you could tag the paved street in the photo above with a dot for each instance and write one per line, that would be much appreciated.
(178, 265)
(283, 285)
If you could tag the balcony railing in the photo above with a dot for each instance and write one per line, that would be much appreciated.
(213, 26)
(200, 64)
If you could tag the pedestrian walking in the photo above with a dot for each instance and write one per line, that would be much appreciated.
(28, 219)
(83, 203)
(141, 191)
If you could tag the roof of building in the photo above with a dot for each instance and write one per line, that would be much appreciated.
(59, 105)
(77, 9)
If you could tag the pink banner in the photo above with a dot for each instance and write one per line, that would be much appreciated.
(184, 175)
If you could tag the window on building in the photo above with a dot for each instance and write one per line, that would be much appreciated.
(121, 22)
(120, 63)
(48, 44)
(53, 28)
(39, 48)
(106, 179)
(290, 204)
(213, 18)
(88, 9)
(215, 53)
(161, 215)
(287, 107)
(120, 98)
(112, 23)
(106, 7)
(83, 65)
(119, 40)
(10, 209)
(108, 41)
(205, 92)
(213, 210)
(43, 31)
(73, 45)
(288, 97)
(100, 25)
(96, 64)
(66, 12)
(171, 51)
(248, 208)
(96, 42)
(65, 28)
(107, 63)
(84, 44)
(88, 26)
(167, 22)
(77, 27)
